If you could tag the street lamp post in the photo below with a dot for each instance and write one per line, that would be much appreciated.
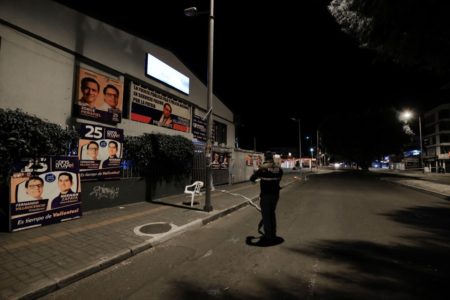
(192, 11)
(299, 139)
(311, 149)
(420, 140)
(406, 115)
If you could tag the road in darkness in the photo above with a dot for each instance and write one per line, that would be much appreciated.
(346, 236)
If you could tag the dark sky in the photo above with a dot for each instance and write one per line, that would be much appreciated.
(273, 61)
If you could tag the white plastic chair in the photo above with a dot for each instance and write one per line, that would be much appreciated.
(193, 189)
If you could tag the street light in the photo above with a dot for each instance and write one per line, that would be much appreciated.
(299, 140)
(190, 12)
(407, 115)
(311, 149)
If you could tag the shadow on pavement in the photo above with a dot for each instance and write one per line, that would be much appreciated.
(418, 269)
(185, 206)
(261, 242)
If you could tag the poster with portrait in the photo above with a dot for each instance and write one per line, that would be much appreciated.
(100, 152)
(220, 160)
(248, 160)
(44, 191)
(152, 107)
(98, 97)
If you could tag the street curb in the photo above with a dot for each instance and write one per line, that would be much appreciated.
(222, 213)
(175, 232)
(39, 292)
(114, 259)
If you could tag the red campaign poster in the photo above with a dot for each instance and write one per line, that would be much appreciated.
(152, 107)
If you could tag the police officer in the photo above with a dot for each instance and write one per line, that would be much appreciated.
(270, 175)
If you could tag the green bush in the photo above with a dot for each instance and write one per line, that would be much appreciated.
(159, 155)
(26, 136)
(23, 135)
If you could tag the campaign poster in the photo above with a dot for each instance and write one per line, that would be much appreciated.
(98, 97)
(199, 125)
(100, 151)
(248, 160)
(220, 160)
(152, 107)
(44, 191)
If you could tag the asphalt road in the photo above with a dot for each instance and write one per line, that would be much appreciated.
(346, 236)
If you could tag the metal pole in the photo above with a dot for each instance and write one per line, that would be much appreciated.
(208, 206)
(317, 150)
(299, 142)
(420, 140)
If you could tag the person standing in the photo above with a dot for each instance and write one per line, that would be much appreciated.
(270, 175)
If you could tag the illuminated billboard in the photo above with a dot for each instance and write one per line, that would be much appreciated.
(165, 73)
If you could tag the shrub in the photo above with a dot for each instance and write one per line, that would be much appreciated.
(23, 135)
(159, 155)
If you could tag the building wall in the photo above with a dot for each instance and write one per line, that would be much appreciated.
(40, 43)
(436, 138)
(244, 163)
(34, 77)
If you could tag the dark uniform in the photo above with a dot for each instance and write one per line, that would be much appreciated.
(270, 175)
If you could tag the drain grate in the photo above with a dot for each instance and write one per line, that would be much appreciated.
(155, 228)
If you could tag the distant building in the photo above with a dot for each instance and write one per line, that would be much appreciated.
(436, 139)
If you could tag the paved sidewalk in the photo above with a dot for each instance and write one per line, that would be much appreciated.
(38, 261)
(438, 189)
(437, 184)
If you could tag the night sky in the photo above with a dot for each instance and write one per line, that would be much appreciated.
(274, 62)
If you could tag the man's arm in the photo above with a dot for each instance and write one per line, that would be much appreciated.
(255, 175)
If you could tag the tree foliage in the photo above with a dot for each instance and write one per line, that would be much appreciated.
(409, 32)
(364, 136)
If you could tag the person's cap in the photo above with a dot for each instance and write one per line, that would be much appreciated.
(268, 155)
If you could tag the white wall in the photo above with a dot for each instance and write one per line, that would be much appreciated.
(239, 170)
(34, 77)
(32, 71)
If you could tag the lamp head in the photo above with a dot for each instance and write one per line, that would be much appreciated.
(191, 11)
(406, 115)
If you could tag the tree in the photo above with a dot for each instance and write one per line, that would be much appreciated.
(410, 32)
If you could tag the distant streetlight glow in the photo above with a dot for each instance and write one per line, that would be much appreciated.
(406, 115)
